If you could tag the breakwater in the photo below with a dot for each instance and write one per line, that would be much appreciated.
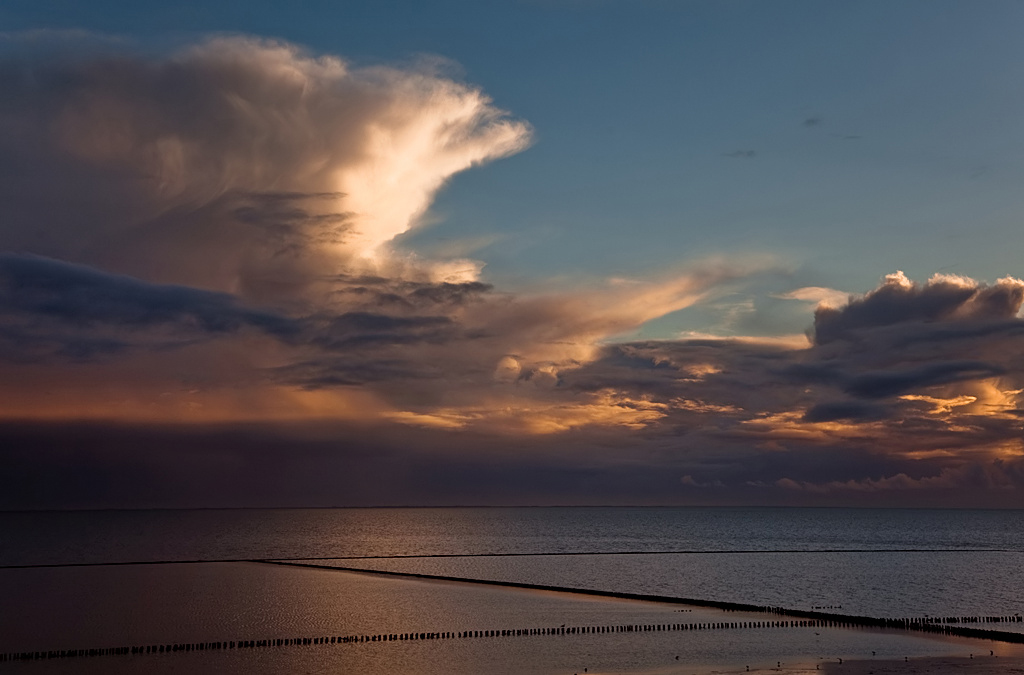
(498, 633)
(928, 624)
(776, 618)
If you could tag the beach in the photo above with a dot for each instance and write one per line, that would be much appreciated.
(979, 665)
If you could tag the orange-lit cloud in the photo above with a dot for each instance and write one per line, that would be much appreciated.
(241, 195)
(207, 239)
(242, 165)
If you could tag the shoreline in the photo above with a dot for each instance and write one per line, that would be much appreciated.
(979, 664)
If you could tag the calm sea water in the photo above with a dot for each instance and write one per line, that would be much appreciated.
(147, 604)
(117, 536)
(881, 562)
(874, 562)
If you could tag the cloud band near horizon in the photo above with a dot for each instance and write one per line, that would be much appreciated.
(206, 238)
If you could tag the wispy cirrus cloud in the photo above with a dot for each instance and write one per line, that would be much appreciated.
(817, 295)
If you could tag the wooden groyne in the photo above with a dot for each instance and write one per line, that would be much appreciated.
(508, 554)
(960, 626)
(928, 624)
(537, 631)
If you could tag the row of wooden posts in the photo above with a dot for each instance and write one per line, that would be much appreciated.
(1016, 618)
(929, 624)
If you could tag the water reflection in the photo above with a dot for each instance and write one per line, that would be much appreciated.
(62, 608)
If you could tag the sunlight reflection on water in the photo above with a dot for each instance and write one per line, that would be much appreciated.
(67, 608)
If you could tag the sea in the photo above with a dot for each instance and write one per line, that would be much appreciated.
(98, 579)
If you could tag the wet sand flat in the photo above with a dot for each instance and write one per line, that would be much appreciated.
(937, 665)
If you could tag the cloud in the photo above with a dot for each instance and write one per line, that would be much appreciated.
(354, 329)
(944, 298)
(906, 373)
(846, 410)
(243, 188)
(74, 310)
(206, 237)
(895, 382)
(820, 296)
(234, 164)
(428, 346)
(997, 475)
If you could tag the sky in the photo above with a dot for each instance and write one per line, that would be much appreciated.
(526, 253)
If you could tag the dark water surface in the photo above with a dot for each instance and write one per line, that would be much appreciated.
(57, 608)
(114, 536)
(880, 584)
(894, 563)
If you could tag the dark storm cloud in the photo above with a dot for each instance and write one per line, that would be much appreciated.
(896, 382)
(847, 410)
(898, 301)
(76, 294)
(223, 218)
(24, 344)
(448, 293)
(76, 311)
(328, 372)
(100, 466)
(901, 371)
(360, 329)
(924, 336)
(83, 312)
(374, 291)
(850, 377)
(261, 176)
